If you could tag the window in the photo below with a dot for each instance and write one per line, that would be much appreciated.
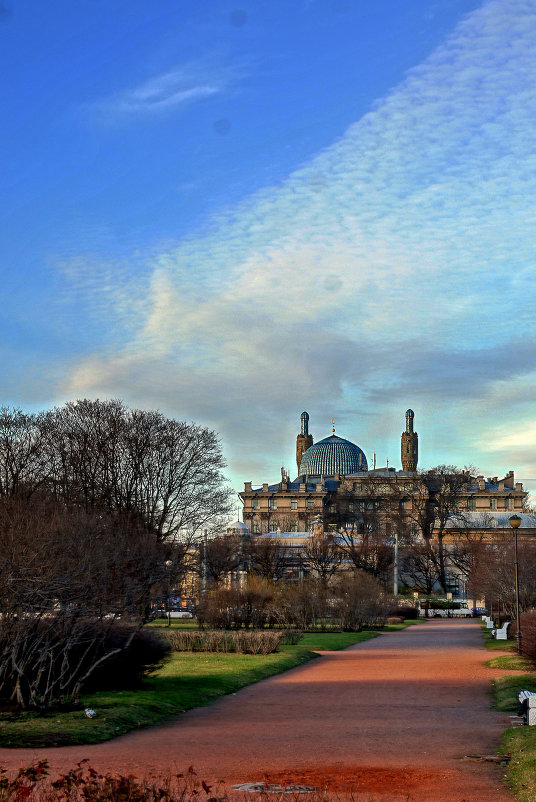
(293, 504)
(471, 503)
(272, 526)
(310, 503)
(255, 503)
(294, 526)
(493, 503)
(256, 527)
(509, 503)
(273, 504)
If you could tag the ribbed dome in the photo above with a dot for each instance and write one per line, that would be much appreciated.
(333, 455)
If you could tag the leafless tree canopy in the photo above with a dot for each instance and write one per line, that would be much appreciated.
(104, 455)
(96, 503)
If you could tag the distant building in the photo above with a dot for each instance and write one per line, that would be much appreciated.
(334, 469)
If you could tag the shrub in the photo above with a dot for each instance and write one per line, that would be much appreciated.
(85, 784)
(404, 611)
(101, 655)
(127, 668)
(291, 637)
(359, 601)
(528, 631)
(232, 608)
(241, 642)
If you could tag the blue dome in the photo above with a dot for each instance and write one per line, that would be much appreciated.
(333, 455)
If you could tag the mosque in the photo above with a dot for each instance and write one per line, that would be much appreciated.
(334, 472)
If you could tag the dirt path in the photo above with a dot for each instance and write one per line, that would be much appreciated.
(389, 717)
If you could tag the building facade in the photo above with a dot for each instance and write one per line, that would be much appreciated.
(334, 482)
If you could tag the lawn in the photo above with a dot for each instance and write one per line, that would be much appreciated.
(186, 680)
(518, 742)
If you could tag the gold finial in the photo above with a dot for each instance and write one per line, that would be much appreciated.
(332, 426)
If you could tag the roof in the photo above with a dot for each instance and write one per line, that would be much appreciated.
(296, 484)
(490, 520)
(238, 525)
(332, 455)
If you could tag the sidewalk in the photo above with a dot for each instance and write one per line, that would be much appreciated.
(391, 718)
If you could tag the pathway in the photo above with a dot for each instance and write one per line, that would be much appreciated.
(391, 717)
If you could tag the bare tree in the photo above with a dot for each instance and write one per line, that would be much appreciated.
(323, 555)
(267, 557)
(360, 601)
(20, 448)
(436, 500)
(219, 556)
(65, 578)
(101, 454)
(420, 567)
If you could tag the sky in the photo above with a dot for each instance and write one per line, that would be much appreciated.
(236, 211)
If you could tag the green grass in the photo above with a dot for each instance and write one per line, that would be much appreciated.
(497, 645)
(510, 662)
(507, 688)
(408, 622)
(176, 623)
(518, 742)
(186, 680)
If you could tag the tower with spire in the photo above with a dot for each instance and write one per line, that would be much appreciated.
(409, 447)
(304, 440)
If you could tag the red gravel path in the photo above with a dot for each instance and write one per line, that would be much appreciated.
(390, 718)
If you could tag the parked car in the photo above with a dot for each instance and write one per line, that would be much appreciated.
(180, 614)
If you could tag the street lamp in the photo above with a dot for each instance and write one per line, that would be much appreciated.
(168, 565)
(515, 522)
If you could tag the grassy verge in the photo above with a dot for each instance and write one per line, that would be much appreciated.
(186, 680)
(518, 742)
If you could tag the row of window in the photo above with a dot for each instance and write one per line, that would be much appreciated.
(361, 506)
(309, 503)
(256, 527)
(509, 505)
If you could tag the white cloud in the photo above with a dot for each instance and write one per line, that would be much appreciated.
(398, 264)
(187, 83)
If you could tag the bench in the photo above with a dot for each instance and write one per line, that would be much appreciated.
(488, 621)
(527, 700)
(500, 634)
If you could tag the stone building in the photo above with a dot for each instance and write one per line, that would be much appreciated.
(334, 482)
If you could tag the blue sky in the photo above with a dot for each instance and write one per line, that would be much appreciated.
(234, 212)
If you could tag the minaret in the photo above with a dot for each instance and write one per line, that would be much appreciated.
(304, 440)
(409, 447)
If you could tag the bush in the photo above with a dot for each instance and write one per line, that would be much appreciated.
(84, 784)
(233, 608)
(528, 631)
(291, 637)
(406, 612)
(359, 601)
(98, 656)
(242, 642)
(127, 668)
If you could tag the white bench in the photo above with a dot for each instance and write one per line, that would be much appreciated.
(527, 700)
(488, 621)
(500, 634)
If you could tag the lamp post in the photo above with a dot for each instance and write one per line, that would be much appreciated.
(514, 522)
(395, 567)
(168, 565)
